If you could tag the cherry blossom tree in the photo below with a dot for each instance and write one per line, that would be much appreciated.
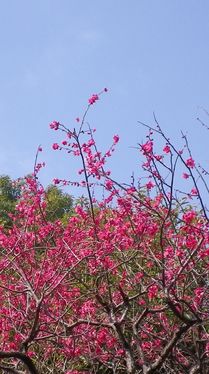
(122, 287)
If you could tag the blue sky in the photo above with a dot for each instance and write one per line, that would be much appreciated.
(152, 55)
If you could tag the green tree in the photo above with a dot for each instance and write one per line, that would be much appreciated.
(59, 204)
(9, 194)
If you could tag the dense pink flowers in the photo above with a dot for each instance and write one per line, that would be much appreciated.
(189, 216)
(123, 273)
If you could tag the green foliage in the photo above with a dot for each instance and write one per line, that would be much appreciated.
(59, 204)
(9, 194)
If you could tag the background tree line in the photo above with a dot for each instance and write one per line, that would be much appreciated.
(58, 203)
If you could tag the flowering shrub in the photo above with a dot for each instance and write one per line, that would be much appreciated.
(123, 286)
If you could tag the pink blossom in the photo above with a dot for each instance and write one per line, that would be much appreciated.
(91, 142)
(190, 163)
(93, 99)
(168, 252)
(141, 302)
(194, 192)
(147, 147)
(55, 146)
(54, 125)
(56, 181)
(158, 157)
(150, 185)
(166, 149)
(153, 291)
(116, 139)
(108, 184)
(189, 216)
(185, 175)
(138, 276)
(131, 190)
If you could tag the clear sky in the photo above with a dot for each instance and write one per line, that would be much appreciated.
(153, 55)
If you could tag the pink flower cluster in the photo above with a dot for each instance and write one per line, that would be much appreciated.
(54, 125)
(167, 149)
(190, 163)
(147, 148)
(188, 217)
(93, 99)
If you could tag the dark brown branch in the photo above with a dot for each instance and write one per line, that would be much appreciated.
(69, 328)
(22, 357)
(9, 370)
(34, 329)
(168, 348)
